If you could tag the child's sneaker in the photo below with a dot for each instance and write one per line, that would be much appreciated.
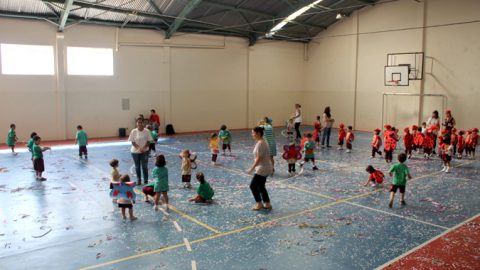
(444, 168)
(390, 204)
(133, 218)
(315, 168)
(348, 151)
(403, 203)
(155, 207)
(447, 169)
(339, 148)
(189, 185)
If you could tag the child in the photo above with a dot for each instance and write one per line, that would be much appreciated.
(303, 140)
(376, 176)
(225, 136)
(30, 143)
(468, 142)
(126, 201)
(160, 176)
(291, 155)
(390, 143)
(38, 164)
(376, 143)
(213, 145)
(460, 143)
(454, 140)
(290, 128)
(341, 136)
(408, 142)
(82, 140)
(428, 143)
(349, 139)
(309, 149)
(12, 138)
(474, 142)
(153, 142)
(186, 168)
(417, 139)
(446, 153)
(423, 129)
(115, 174)
(317, 127)
(400, 173)
(204, 191)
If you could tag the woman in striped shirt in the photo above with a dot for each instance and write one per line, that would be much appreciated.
(269, 137)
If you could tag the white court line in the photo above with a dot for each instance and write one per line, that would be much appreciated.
(177, 226)
(426, 243)
(397, 215)
(163, 211)
(187, 244)
(194, 265)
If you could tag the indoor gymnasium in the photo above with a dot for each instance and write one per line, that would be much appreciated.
(239, 134)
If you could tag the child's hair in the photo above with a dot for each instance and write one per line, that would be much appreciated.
(79, 127)
(309, 135)
(160, 161)
(370, 169)
(402, 157)
(424, 123)
(12, 125)
(214, 135)
(223, 127)
(152, 110)
(186, 151)
(36, 138)
(318, 117)
(461, 132)
(267, 120)
(201, 177)
(33, 134)
(394, 128)
(350, 127)
(446, 139)
(124, 178)
(113, 163)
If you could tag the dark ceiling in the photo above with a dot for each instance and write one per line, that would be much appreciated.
(250, 19)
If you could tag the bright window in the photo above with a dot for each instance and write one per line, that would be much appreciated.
(27, 59)
(89, 61)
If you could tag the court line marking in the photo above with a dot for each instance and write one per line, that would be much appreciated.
(194, 220)
(253, 226)
(194, 265)
(427, 242)
(187, 244)
(179, 229)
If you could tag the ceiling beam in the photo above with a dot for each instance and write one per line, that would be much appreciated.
(243, 10)
(181, 17)
(65, 12)
(158, 11)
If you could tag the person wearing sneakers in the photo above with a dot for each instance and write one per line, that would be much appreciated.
(446, 153)
(400, 173)
(263, 168)
(309, 150)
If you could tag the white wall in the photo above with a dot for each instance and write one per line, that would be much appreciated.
(196, 82)
(345, 66)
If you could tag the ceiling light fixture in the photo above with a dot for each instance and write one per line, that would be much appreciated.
(339, 16)
(290, 18)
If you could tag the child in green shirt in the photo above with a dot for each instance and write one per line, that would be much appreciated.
(30, 143)
(38, 163)
(204, 191)
(153, 142)
(82, 140)
(309, 150)
(226, 137)
(400, 173)
(12, 138)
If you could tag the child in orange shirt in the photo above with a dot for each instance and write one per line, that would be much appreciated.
(341, 136)
(390, 143)
(454, 140)
(460, 143)
(376, 143)
(376, 176)
(428, 143)
(417, 139)
(349, 138)
(473, 142)
(408, 142)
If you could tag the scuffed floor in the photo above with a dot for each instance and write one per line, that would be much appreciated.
(322, 219)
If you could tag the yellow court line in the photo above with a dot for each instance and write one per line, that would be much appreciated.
(174, 209)
(258, 225)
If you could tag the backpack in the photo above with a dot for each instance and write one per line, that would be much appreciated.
(169, 130)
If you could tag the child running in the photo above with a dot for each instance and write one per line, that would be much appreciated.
(349, 139)
(186, 168)
(376, 143)
(38, 163)
(341, 136)
(12, 138)
(226, 138)
(213, 145)
(376, 176)
(204, 191)
(309, 149)
(82, 140)
(400, 173)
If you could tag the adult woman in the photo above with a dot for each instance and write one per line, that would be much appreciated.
(327, 123)
(449, 121)
(262, 167)
(434, 122)
(140, 139)
(298, 120)
(269, 137)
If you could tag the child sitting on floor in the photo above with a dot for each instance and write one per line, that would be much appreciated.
(204, 191)
(376, 176)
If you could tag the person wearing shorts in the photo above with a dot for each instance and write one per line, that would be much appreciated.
(400, 172)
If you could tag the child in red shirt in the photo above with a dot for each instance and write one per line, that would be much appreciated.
(473, 142)
(417, 139)
(317, 127)
(376, 176)
(390, 143)
(376, 143)
(341, 136)
(408, 142)
(454, 140)
(349, 138)
(428, 143)
(460, 143)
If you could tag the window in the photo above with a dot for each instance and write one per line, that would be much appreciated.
(89, 61)
(27, 59)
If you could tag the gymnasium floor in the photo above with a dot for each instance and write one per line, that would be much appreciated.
(321, 220)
